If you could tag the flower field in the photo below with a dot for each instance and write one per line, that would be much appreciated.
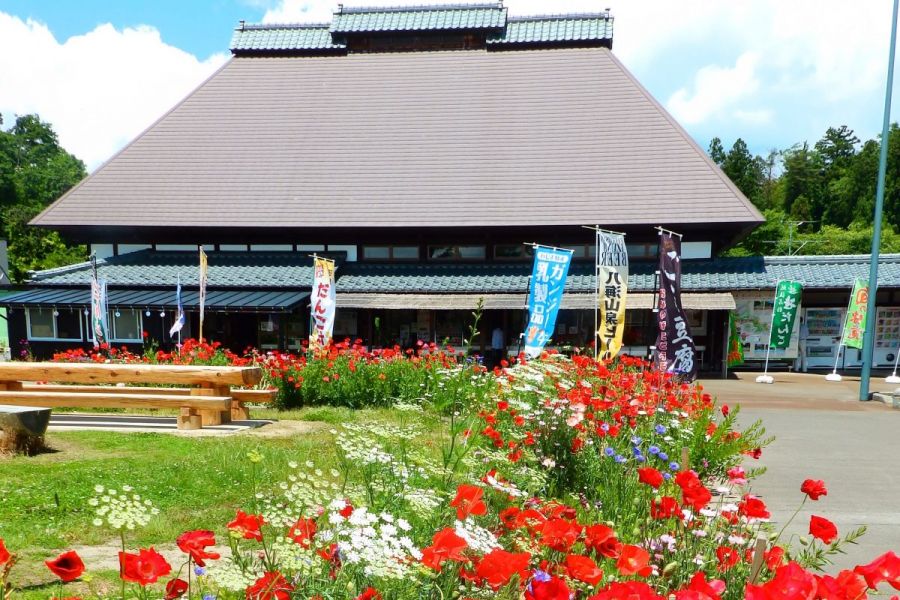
(556, 479)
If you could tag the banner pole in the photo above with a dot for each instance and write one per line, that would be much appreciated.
(596, 336)
(765, 377)
(834, 374)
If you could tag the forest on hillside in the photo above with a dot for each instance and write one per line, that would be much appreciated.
(817, 199)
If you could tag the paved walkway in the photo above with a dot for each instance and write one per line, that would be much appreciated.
(141, 423)
(823, 432)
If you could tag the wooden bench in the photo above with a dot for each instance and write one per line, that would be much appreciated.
(208, 398)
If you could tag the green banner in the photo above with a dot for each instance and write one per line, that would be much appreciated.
(735, 345)
(787, 301)
(855, 326)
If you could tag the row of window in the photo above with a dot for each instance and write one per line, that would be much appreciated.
(44, 324)
(479, 252)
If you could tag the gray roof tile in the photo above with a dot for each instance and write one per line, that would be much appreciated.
(293, 270)
(419, 18)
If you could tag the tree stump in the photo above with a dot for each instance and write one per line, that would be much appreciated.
(22, 429)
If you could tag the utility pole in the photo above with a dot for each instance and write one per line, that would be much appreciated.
(869, 338)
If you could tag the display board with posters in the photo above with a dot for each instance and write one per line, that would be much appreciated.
(887, 335)
(753, 317)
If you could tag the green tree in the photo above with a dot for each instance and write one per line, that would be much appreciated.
(744, 169)
(716, 151)
(34, 171)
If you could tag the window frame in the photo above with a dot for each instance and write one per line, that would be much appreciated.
(390, 257)
(483, 256)
(111, 323)
(55, 337)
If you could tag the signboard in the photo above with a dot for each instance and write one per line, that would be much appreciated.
(675, 350)
(855, 325)
(752, 317)
(322, 303)
(735, 347)
(548, 278)
(787, 302)
(612, 290)
(99, 327)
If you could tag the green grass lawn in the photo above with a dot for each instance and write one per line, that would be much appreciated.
(196, 482)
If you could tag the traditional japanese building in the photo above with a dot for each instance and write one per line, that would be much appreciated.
(422, 148)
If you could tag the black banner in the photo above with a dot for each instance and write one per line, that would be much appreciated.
(675, 349)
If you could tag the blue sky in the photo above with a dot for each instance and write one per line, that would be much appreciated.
(769, 71)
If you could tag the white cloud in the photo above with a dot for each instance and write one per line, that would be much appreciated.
(98, 90)
(716, 89)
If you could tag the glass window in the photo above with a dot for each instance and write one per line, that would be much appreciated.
(68, 325)
(40, 324)
(405, 252)
(578, 251)
(512, 251)
(457, 252)
(376, 252)
(641, 250)
(126, 325)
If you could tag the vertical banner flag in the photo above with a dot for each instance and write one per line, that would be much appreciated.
(855, 327)
(98, 311)
(203, 268)
(784, 312)
(675, 349)
(548, 278)
(735, 355)
(612, 288)
(322, 303)
(179, 312)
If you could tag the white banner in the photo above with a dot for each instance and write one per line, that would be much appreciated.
(322, 302)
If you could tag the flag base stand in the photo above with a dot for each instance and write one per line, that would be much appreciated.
(833, 377)
(765, 379)
(892, 379)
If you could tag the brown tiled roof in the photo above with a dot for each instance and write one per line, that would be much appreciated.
(455, 138)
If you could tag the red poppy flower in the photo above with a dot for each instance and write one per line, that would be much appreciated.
(143, 568)
(790, 581)
(499, 566)
(271, 586)
(302, 531)
(468, 501)
(700, 589)
(814, 488)
(632, 590)
(195, 543)
(446, 545)
(369, 594)
(552, 589)
(4, 553)
(846, 586)
(583, 568)
(176, 588)
(560, 534)
(884, 568)
(67, 566)
(693, 492)
(727, 557)
(753, 508)
(602, 540)
(822, 528)
(665, 508)
(650, 476)
(247, 525)
(774, 558)
(633, 560)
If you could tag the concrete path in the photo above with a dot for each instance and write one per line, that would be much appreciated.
(142, 424)
(823, 432)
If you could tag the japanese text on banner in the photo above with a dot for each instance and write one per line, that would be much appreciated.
(322, 304)
(784, 312)
(612, 290)
(675, 350)
(548, 278)
(855, 327)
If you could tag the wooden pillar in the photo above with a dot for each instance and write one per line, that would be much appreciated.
(214, 416)
(189, 418)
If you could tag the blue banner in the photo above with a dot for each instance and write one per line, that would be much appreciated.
(548, 278)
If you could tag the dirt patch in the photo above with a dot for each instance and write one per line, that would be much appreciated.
(280, 429)
(105, 557)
